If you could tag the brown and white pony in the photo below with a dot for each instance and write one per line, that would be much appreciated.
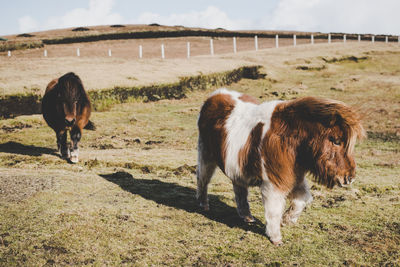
(273, 145)
(66, 107)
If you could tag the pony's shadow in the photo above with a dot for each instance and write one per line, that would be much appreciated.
(18, 148)
(181, 197)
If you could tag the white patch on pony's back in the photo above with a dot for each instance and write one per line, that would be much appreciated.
(244, 117)
(225, 91)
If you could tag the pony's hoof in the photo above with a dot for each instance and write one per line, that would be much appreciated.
(74, 156)
(65, 154)
(277, 243)
(74, 159)
(205, 207)
(248, 219)
(288, 220)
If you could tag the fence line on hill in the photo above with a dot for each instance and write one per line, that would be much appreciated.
(235, 42)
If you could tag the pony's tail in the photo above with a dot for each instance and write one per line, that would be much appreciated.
(90, 126)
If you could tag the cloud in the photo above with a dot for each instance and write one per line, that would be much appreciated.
(211, 17)
(98, 13)
(27, 24)
(356, 16)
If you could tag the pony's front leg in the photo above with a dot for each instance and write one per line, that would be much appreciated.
(274, 205)
(62, 144)
(76, 135)
(301, 196)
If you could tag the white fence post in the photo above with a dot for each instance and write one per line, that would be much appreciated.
(78, 52)
(329, 38)
(359, 38)
(256, 42)
(294, 39)
(9, 53)
(162, 51)
(45, 53)
(344, 38)
(373, 38)
(312, 38)
(234, 45)
(386, 39)
(188, 49)
(109, 52)
(276, 41)
(211, 47)
(140, 51)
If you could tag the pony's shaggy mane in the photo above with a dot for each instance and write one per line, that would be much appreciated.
(72, 86)
(327, 112)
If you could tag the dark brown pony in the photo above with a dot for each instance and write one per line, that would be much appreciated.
(66, 107)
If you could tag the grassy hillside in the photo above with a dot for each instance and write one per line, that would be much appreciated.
(131, 198)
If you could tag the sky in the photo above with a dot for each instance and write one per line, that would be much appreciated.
(347, 16)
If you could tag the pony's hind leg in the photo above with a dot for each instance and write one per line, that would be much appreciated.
(62, 144)
(243, 207)
(205, 170)
(300, 196)
(75, 138)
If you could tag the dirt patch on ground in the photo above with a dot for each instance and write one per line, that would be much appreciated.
(344, 59)
(384, 136)
(185, 170)
(311, 67)
(14, 128)
(18, 187)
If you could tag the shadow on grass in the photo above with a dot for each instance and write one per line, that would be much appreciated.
(181, 197)
(18, 148)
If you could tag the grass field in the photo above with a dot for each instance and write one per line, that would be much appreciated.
(131, 198)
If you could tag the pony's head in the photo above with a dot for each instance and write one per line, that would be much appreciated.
(329, 130)
(333, 159)
(70, 94)
(332, 145)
